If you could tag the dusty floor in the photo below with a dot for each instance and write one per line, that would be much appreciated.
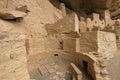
(61, 73)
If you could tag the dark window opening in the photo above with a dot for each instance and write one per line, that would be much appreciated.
(88, 29)
(95, 22)
(108, 25)
(85, 66)
(55, 54)
(117, 37)
(61, 45)
(79, 30)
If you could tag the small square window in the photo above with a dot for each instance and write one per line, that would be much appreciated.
(55, 54)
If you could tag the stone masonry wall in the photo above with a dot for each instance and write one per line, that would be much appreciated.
(101, 42)
(13, 60)
(106, 43)
(88, 42)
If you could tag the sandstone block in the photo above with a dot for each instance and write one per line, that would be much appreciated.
(76, 72)
(69, 23)
(83, 26)
(11, 14)
(23, 8)
(71, 45)
(52, 44)
(98, 41)
(13, 62)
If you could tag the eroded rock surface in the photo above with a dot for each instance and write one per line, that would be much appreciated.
(11, 14)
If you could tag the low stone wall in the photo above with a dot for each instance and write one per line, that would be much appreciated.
(76, 72)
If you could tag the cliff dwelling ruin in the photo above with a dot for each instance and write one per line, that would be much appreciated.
(59, 39)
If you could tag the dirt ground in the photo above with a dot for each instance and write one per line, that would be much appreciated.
(63, 69)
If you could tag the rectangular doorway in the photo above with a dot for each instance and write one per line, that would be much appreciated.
(85, 66)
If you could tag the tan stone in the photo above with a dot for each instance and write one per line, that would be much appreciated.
(11, 14)
(100, 24)
(107, 18)
(63, 9)
(71, 45)
(101, 42)
(89, 24)
(13, 62)
(23, 8)
(104, 72)
(76, 72)
(83, 26)
(52, 44)
(68, 24)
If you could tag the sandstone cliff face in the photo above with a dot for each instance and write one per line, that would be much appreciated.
(115, 9)
(39, 15)
(13, 61)
(31, 27)
(88, 6)
(33, 24)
